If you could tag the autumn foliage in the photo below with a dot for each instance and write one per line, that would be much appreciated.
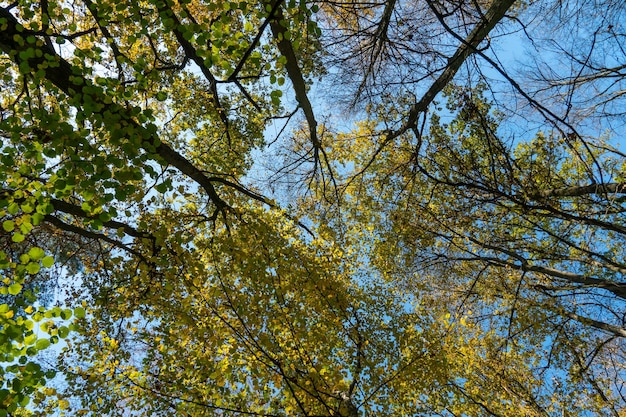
(282, 208)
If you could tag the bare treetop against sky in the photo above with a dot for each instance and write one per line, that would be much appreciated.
(452, 244)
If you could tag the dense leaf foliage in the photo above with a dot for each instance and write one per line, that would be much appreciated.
(292, 208)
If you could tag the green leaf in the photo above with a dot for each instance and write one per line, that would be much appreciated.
(66, 314)
(18, 237)
(30, 339)
(47, 261)
(33, 268)
(42, 344)
(27, 208)
(24, 258)
(15, 288)
(79, 312)
(37, 218)
(163, 187)
(26, 227)
(60, 184)
(63, 332)
(8, 225)
(36, 253)
(13, 208)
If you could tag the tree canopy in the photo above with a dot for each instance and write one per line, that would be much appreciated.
(312, 208)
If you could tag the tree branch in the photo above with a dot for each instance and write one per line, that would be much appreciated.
(578, 191)
(609, 328)
(73, 83)
(191, 52)
(295, 75)
(92, 235)
(495, 13)
(255, 41)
